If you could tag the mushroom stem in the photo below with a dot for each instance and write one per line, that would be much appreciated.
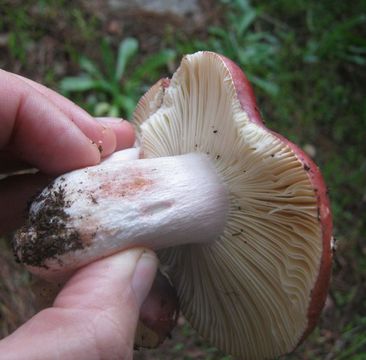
(93, 212)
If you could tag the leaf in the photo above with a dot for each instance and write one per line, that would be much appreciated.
(268, 86)
(246, 21)
(114, 111)
(356, 59)
(262, 37)
(78, 83)
(89, 66)
(217, 31)
(101, 108)
(152, 64)
(127, 49)
(108, 57)
(243, 4)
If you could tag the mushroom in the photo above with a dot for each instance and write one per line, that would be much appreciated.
(239, 215)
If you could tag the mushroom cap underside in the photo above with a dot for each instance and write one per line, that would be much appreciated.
(259, 287)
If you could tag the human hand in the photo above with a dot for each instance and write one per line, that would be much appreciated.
(95, 314)
(39, 128)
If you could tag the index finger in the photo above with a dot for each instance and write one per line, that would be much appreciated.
(123, 131)
(36, 131)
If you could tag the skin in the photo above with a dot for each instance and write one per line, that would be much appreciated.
(96, 313)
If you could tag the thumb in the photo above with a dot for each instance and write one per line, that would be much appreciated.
(93, 317)
(114, 289)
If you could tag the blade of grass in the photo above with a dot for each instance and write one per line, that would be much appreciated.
(108, 58)
(78, 83)
(127, 49)
(90, 67)
(151, 66)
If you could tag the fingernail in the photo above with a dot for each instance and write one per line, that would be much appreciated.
(107, 144)
(144, 275)
(109, 120)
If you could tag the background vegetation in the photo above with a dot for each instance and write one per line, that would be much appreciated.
(307, 62)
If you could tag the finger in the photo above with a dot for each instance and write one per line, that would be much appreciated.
(158, 313)
(102, 136)
(124, 131)
(95, 315)
(124, 134)
(37, 132)
(17, 191)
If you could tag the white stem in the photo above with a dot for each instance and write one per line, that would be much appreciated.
(157, 203)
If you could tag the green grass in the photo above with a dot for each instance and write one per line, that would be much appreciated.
(307, 63)
(112, 93)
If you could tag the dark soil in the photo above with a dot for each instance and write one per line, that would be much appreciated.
(46, 234)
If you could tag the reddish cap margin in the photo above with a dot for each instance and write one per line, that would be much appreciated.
(248, 103)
